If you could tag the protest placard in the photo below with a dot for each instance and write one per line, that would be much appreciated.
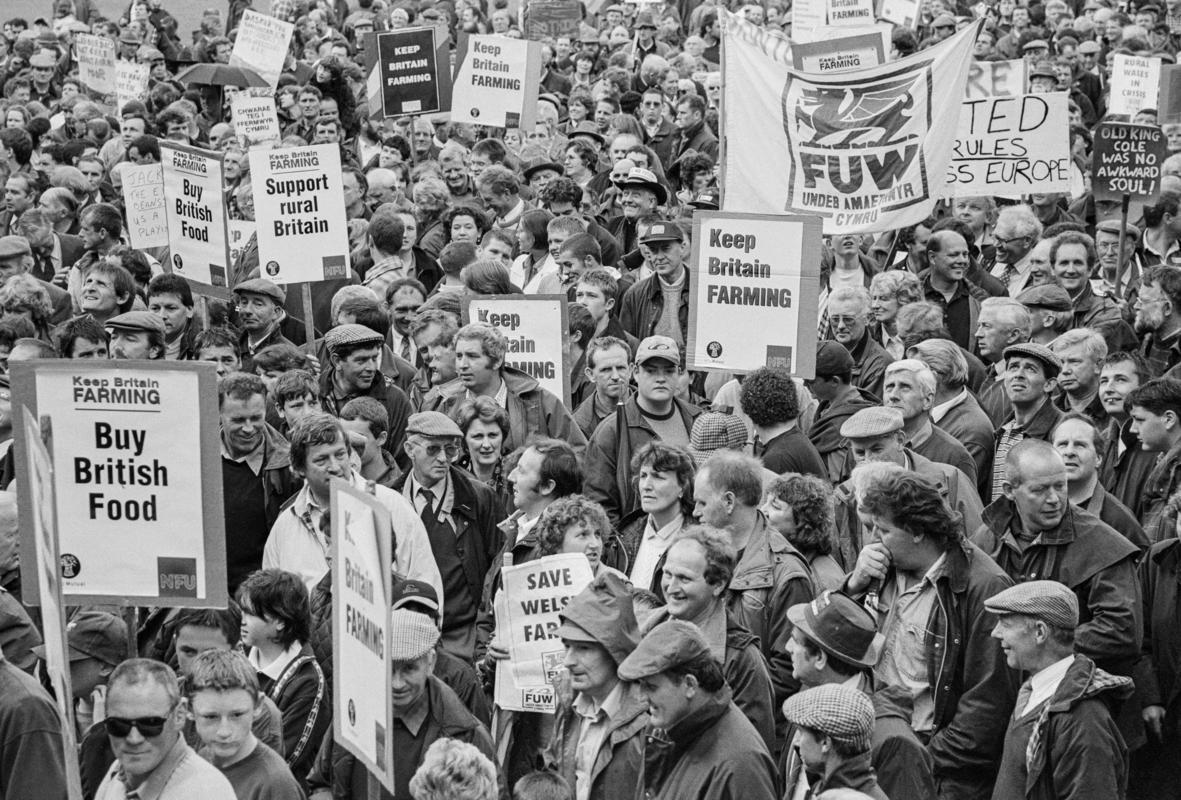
(96, 62)
(143, 197)
(866, 149)
(261, 45)
(131, 82)
(196, 212)
(1127, 161)
(531, 323)
(754, 289)
(137, 479)
(303, 233)
(361, 578)
(1135, 84)
(534, 594)
(850, 12)
(407, 72)
(1012, 146)
(39, 468)
(996, 79)
(496, 82)
(903, 13)
(255, 120)
(238, 231)
(840, 54)
(551, 19)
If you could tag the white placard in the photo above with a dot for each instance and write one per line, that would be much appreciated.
(261, 45)
(496, 83)
(96, 62)
(255, 120)
(196, 212)
(143, 197)
(531, 324)
(1135, 84)
(131, 82)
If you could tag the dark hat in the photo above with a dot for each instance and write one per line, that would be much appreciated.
(433, 423)
(12, 246)
(669, 644)
(1043, 69)
(48, 39)
(95, 634)
(147, 53)
(839, 712)
(262, 286)
(707, 199)
(603, 613)
(872, 422)
(662, 231)
(1048, 296)
(407, 593)
(645, 179)
(144, 321)
(645, 20)
(552, 99)
(1112, 225)
(1036, 351)
(840, 627)
(587, 128)
(1050, 601)
(351, 334)
(832, 358)
(539, 164)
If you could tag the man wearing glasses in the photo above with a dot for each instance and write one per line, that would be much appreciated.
(1017, 231)
(460, 516)
(144, 721)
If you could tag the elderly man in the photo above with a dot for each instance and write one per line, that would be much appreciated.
(921, 573)
(955, 409)
(501, 193)
(835, 641)
(16, 257)
(1107, 235)
(645, 309)
(453, 162)
(460, 516)
(260, 309)
(1002, 322)
(1082, 352)
(1031, 372)
(1158, 318)
(910, 387)
(701, 745)
(1016, 232)
(848, 314)
(1066, 703)
(136, 335)
(1051, 311)
(833, 727)
(599, 727)
(640, 195)
(772, 575)
(144, 718)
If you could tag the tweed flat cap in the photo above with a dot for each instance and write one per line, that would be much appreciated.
(869, 423)
(1049, 296)
(833, 358)
(144, 321)
(668, 645)
(12, 246)
(1035, 44)
(262, 286)
(839, 712)
(351, 334)
(713, 431)
(1090, 46)
(432, 423)
(1050, 601)
(412, 635)
(1040, 352)
(1113, 226)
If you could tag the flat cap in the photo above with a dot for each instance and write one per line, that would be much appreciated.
(42, 61)
(645, 19)
(870, 423)
(130, 36)
(833, 358)
(351, 334)
(1043, 69)
(12, 246)
(262, 286)
(668, 645)
(943, 21)
(713, 431)
(144, 321)
(433, 423)
(412, 635)
(1089, 46)
(1112, 225)
(147, 54)
(1040, 352)
(839, 712)
(1050, 601)
(1035, 44)
(1049, 296)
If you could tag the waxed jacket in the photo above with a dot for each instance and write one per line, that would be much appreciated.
(643, 304)
(616, 767)
(1158, 670)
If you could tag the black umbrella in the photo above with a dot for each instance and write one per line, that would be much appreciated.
(221, 75)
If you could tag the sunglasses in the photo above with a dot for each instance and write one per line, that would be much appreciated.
(433, 450)
(148, 727)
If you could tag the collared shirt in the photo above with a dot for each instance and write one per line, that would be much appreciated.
(182, 775)
(512, 219)
(652, 546)
(893, 345)
(501, 396)
(921, 436)
(1017, 279)
(940, 411)
(254, 459)
(1045, 682)
(416, 716)
(595, 725)
(904, 659)
(275, 669)
(412, 490)
(384, 272)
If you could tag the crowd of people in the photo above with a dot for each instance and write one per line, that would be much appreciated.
(945, 566)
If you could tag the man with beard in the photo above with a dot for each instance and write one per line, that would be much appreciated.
(1158, 319)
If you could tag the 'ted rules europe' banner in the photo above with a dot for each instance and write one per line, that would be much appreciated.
(861, 149)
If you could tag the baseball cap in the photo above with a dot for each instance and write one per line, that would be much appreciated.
(95, 634)
(658, 347)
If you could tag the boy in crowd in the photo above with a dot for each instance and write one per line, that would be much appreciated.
(296, 395)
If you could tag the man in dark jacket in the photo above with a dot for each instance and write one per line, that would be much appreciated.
(848, 314)
(1125, 466)
(701, 745)
(1155, 409)
(1062, 740)
(833, 726)
(839, 400)
(692, 132)
(922, 574)
(1156, 770)
(459, 514)
(647, 307)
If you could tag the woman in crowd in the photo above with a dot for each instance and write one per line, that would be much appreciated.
(664, 482)
(800, 507)
(888, 292)
(465, 224)
(485, 429)
(575, 524)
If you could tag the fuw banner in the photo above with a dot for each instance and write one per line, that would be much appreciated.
(866, 150)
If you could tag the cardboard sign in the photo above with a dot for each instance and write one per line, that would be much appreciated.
(1135, 84)
(131, 82)
(754, 292)
(997, 79)
(96, 62)
(361, 583)
(255, 121)
(39, 468)
(138, 490)
(194, 200)
(850, 12)
(143, 197)
(239, 231)
(261, 45)
(1127, 160)
(303, 233)
(533, 324)
(903, 13)
(408, 73)
(534, 594)
(840, 54)
(552, 19)
(1012, 146)
(496, 82)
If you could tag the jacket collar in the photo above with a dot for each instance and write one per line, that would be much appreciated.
(689, 729)
(755, 570)
(1002, 513)
(849, 773)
